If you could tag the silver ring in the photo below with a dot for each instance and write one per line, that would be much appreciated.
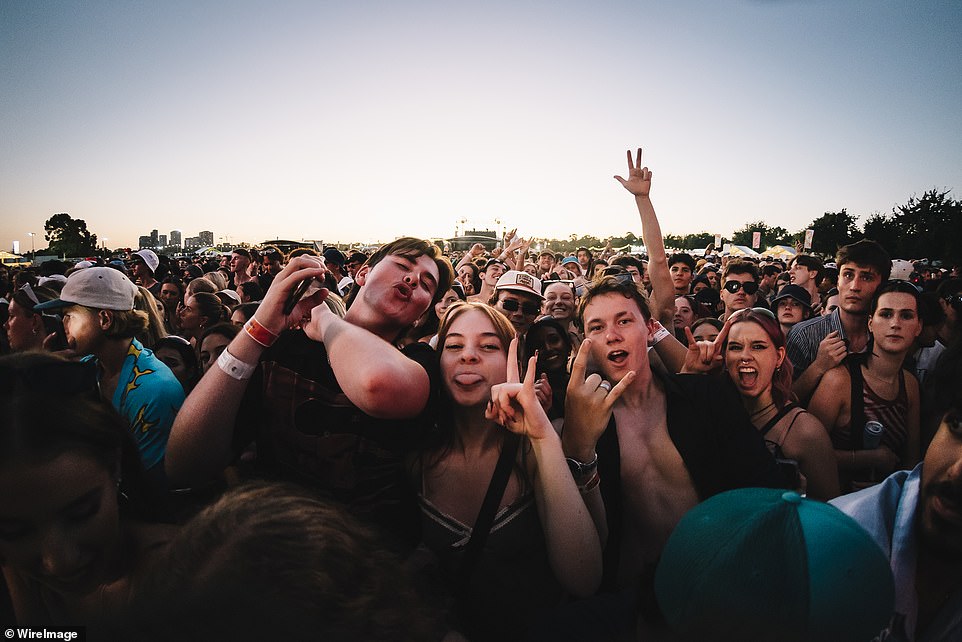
(605, 385)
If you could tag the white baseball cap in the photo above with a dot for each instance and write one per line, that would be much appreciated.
(102, 288)
(520, 282)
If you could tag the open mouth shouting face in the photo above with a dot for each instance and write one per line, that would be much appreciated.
(619, 334)
(751, 358)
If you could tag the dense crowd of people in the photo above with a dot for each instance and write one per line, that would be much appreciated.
(416, 444)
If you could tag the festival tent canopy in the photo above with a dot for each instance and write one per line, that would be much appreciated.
(780, 252)
(741, 250)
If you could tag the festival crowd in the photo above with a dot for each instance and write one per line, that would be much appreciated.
(414, 444)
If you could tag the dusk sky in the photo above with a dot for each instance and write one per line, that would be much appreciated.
(369, 120)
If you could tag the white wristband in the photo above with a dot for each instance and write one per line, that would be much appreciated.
(234, 367)
(660, 333)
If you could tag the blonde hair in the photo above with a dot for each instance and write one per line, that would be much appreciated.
(218, 279)
(126, 324)
(147, 303)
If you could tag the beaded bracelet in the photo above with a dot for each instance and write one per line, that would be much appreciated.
(259, 333)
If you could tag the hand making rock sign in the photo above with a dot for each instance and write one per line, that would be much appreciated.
(588, 405)
(704, 357)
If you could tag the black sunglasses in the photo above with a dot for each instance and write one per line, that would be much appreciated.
(510, 305)
(750, 287)
(763, 311)
(546, 282)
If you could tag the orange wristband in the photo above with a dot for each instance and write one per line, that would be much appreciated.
(259, 333)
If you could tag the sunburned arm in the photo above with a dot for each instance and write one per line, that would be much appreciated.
(831, 351)
(573, 543)
(662, 289)
(571, 535)
(831, 398)
(374, 375)
(200, 440)
(816, 457)
(672, 353)
(807, 382)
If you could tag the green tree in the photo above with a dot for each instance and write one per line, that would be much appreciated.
(68, 236)
(929, 227)
(770, 235)
(832, 231)
(883, 230)
(698, 241)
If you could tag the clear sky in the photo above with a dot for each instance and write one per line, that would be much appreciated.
(369, 120)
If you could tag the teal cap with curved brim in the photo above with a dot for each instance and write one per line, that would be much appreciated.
(767, 564)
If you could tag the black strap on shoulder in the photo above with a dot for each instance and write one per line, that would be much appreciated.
(778, 417)
(858, 402)
(489, 508)
(789, 429)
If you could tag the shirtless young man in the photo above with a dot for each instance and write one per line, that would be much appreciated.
(660, 445)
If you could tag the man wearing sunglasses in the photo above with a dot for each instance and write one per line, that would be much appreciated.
(739, 286)
(518, 296)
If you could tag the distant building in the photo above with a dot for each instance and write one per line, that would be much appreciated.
(206, 238)
(192, 243)
(153, 238)
(175, 238)
(162, 240)
(144, 242)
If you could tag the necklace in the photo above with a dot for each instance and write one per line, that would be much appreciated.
(763, 410)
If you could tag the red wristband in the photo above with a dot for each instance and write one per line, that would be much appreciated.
(259, 333)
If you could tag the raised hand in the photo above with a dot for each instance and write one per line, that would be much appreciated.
(639, 178)
(270, 313)
(515, 405)
(542, 388)
(831, 352)
(588, 405)
(704, 357)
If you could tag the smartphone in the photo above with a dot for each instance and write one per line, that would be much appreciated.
(53, 324)
(296, 295)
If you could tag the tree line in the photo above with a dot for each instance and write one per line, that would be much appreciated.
(928, 226)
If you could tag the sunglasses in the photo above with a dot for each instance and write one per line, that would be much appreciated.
(762, 311)
(546, 282)
(70, 377)
(619, 274)
(750, 287)
(955, 300)
(527, 308)
(26, 289)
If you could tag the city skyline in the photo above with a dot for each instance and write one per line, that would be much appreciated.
(301, 120)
